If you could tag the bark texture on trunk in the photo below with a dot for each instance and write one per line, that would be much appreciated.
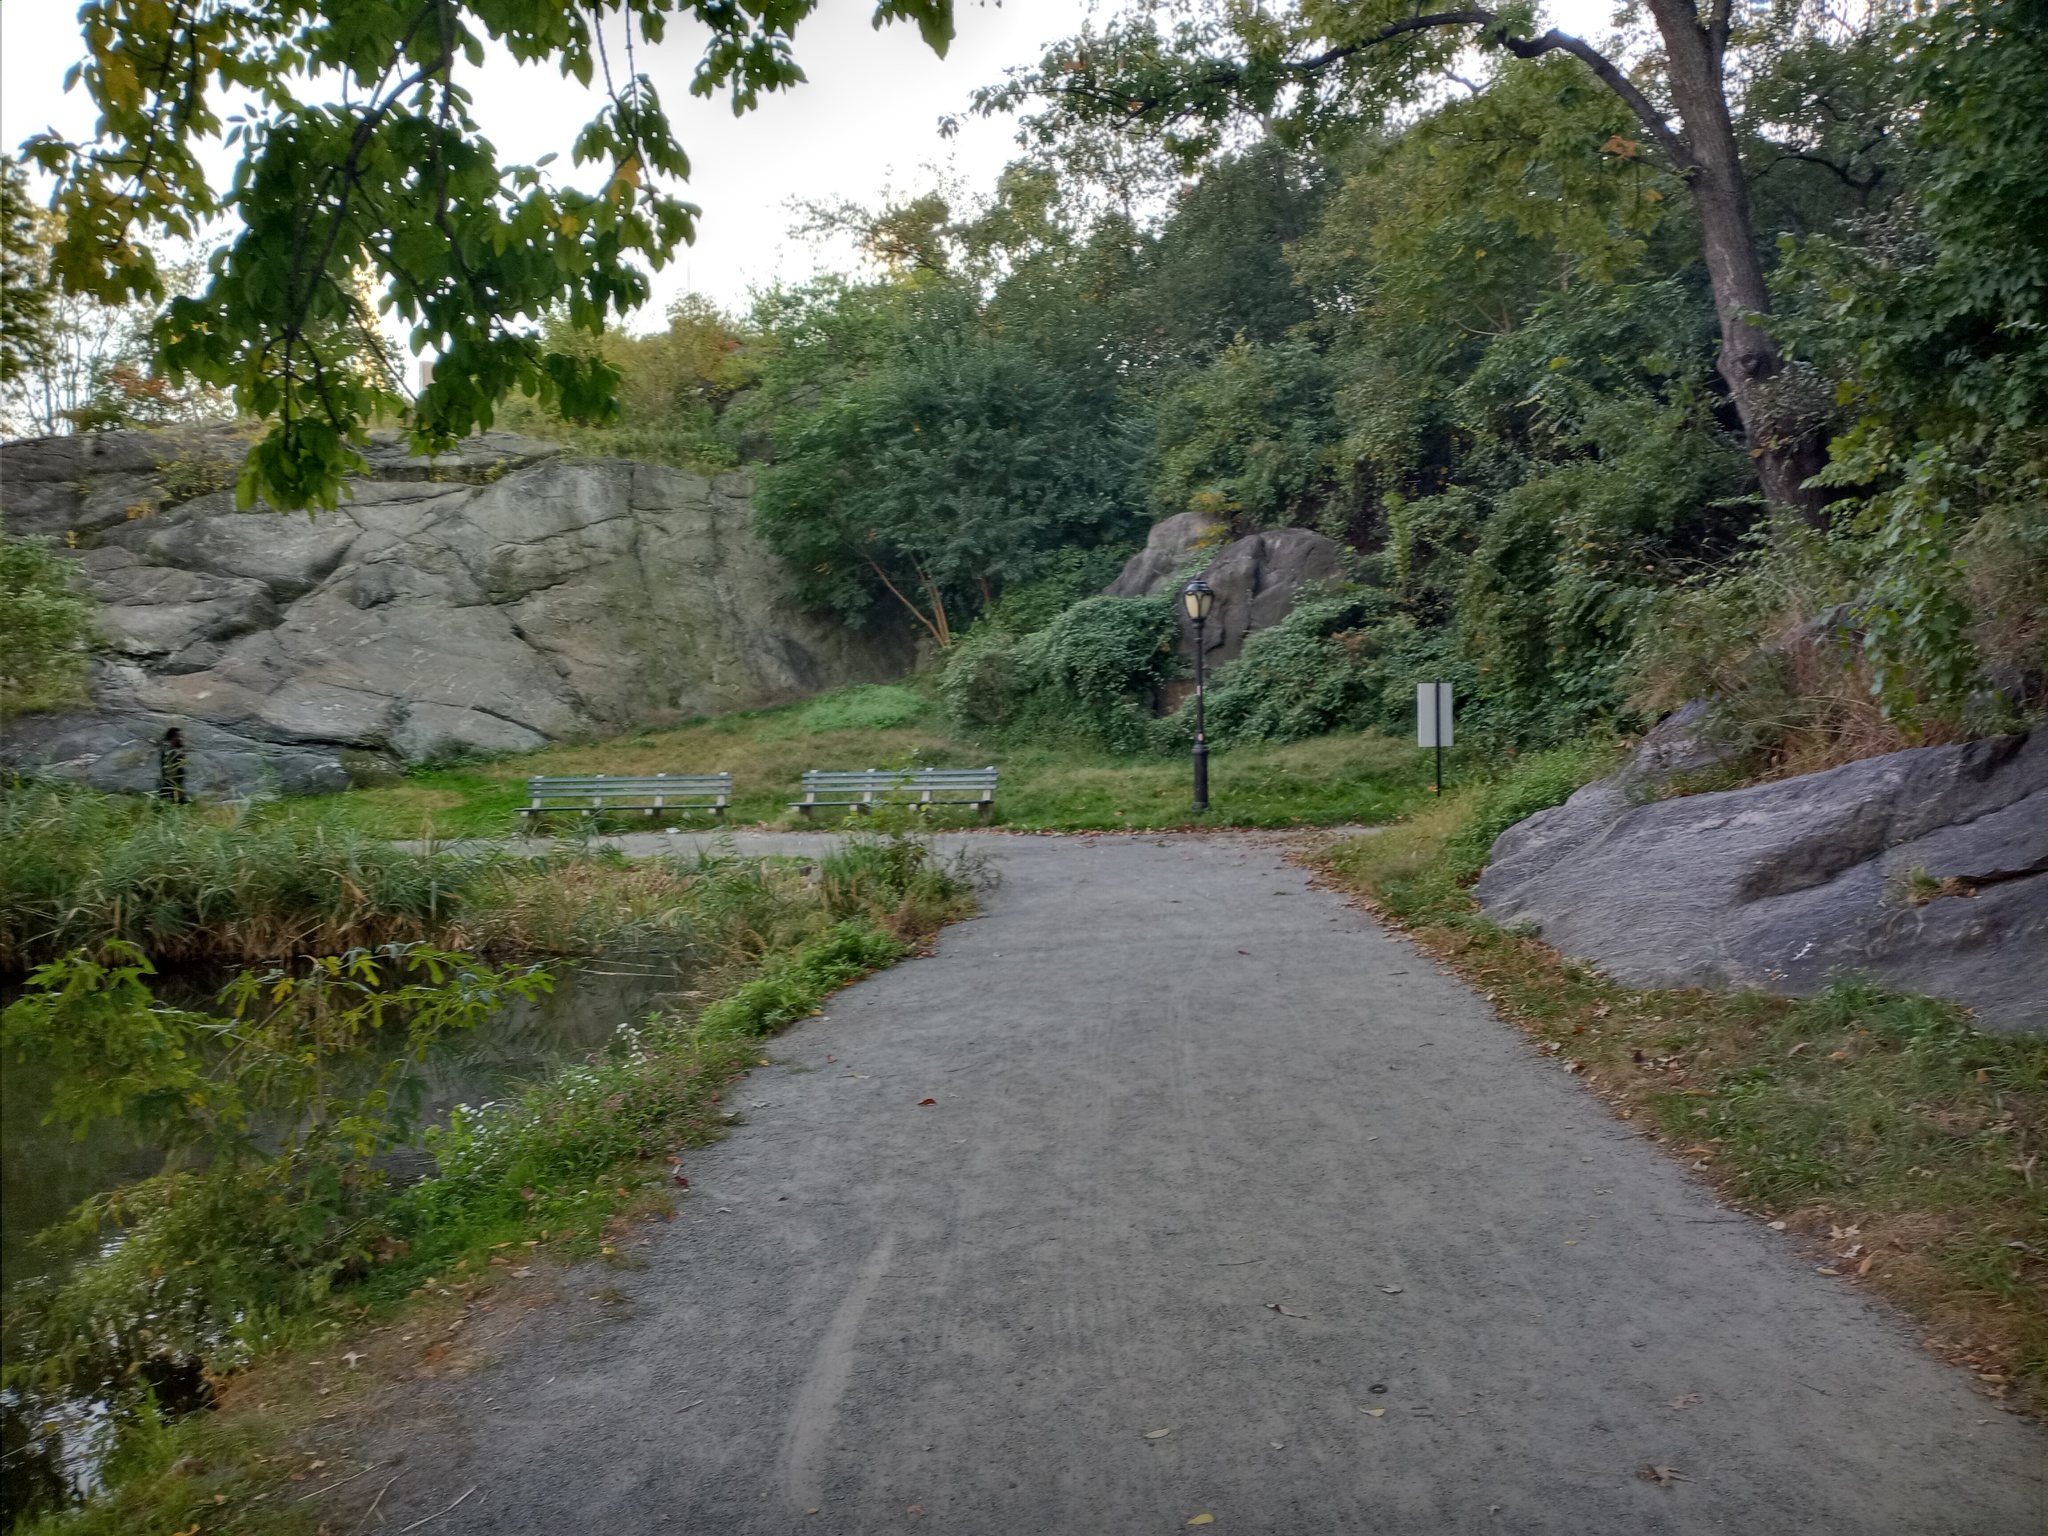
(1785, 445)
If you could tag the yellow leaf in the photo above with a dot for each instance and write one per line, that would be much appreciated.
(1378, 1413)
(1157, 1434)
(1203, 1520)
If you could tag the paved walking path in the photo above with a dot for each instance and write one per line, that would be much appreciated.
(1213, 1155)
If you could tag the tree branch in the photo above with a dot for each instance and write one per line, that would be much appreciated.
(1654, 122)
(915, 612)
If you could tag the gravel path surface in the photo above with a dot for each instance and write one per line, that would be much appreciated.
(1229, 1205)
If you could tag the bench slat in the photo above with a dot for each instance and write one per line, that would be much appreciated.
(863, 789)
(651, 794)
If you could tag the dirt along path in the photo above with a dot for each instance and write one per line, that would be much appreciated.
(1230, 1208)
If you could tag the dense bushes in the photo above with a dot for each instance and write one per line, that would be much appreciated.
(1091, 675)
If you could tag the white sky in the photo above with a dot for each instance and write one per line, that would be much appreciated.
(865, 121)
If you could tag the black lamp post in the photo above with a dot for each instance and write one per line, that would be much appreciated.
(1198, 600)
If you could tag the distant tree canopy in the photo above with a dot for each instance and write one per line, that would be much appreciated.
(1478, 342)
(1473, 330)
(364, 186)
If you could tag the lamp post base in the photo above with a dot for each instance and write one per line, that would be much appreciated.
(1201, 774)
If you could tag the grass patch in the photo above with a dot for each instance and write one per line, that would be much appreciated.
(244, 1265)
(1361, 776)
(194, 882)
(1902, 1145)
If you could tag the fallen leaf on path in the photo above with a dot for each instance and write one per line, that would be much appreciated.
(1274, 1306)
(352, 1357)
(521, 1274)
(1775, 1226)
(1279, 1445)
(1864, 1267)
(916, 1509)
(1378, 1413)
(1686, 1401)
(1157, 1434)
(1663, 1477)
(923, 1102)
(1203, 1520)
(1391, 1290)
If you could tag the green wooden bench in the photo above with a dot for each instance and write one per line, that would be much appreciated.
(651, 794)
(864, 789)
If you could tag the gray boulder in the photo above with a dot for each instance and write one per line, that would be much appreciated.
(1926, 868)
(492, 601)
(1256, 579)
(1173, 545)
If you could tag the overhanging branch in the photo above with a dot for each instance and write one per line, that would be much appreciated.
(1666, 138)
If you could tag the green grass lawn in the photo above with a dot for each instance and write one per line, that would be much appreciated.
(1351, 777)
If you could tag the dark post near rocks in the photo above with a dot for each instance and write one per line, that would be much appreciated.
(1198, 600)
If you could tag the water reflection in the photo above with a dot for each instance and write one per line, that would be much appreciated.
(45, 1172)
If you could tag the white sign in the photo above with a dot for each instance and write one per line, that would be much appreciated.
(1433, 714)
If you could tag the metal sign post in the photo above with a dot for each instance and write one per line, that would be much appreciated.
(1433, 723)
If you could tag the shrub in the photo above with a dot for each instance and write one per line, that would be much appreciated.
(1088, 676)
(1315, 671)
(45, 628)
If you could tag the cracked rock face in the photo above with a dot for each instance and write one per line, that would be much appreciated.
(1927, 869)
(1256, 579)
(519, 598)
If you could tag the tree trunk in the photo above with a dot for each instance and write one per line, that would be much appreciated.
(1786, 446)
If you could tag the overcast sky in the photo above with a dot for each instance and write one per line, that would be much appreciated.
(866, 121)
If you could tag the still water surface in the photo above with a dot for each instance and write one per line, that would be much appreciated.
(45, 1172)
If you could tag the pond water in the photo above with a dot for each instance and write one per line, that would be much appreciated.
(45, 1172)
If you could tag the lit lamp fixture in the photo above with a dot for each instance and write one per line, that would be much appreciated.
(1199, 601)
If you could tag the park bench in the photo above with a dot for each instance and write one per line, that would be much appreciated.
(651, 794)
(866, 788)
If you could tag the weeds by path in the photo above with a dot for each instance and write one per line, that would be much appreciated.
(242, 1265)
(1900, 1144)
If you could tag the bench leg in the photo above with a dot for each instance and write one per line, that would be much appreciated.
(988, 812)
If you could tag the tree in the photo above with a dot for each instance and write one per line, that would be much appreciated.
(953, 468)
(1336, 65)
(386, 173)
(24, 289)
(81, 365)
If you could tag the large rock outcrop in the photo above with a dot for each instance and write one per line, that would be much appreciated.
(1256, 579)
(1926, 868)
(489, 601)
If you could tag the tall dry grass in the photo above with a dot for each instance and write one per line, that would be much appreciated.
(192, 882)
